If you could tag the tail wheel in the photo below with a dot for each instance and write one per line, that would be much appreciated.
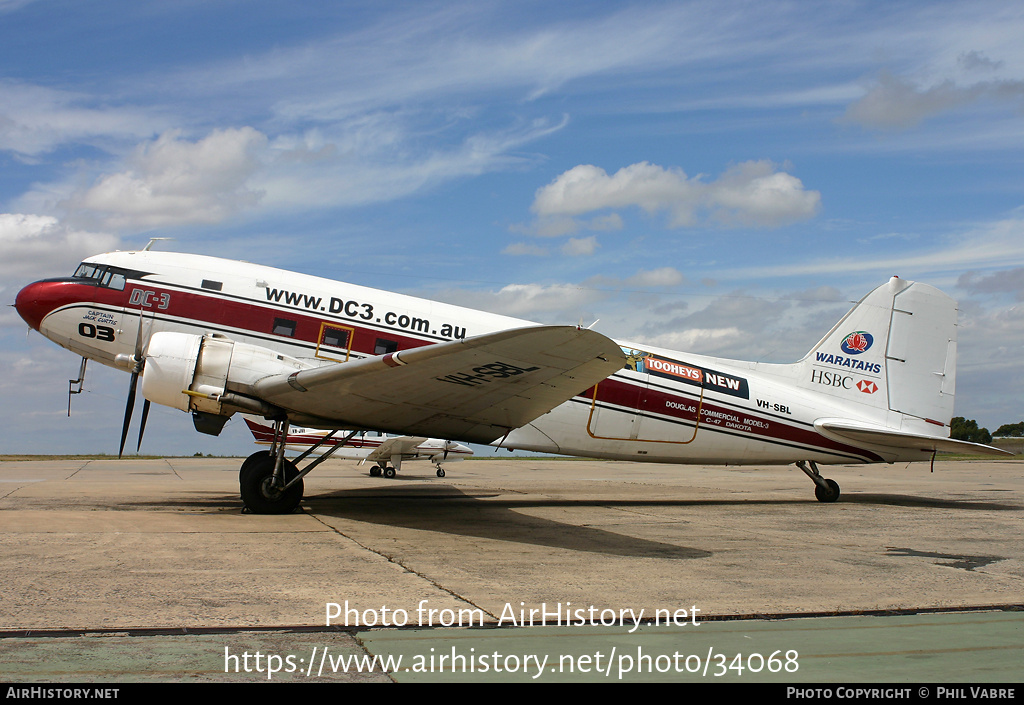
(827, 495)
(259, 492)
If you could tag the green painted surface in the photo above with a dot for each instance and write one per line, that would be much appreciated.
(976, 647)
(964, 647)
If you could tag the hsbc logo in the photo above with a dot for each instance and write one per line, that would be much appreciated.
(867, 386)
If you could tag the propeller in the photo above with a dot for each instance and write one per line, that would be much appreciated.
(140, 362)
(448, 445)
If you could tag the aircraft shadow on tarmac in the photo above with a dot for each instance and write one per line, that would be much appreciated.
(479, 514)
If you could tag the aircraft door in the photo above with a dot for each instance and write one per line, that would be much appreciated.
(632, 405)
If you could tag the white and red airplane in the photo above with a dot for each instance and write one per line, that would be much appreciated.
(387, 453)
(215, 337)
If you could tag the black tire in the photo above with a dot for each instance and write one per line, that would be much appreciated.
(375, 471)
(247, 463)
(440, 472)
(258, 494)
(829, 495)
(389, 472)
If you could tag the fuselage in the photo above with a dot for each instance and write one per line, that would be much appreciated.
(664, 406)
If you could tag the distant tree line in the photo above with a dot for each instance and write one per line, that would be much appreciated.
(967, 430)
(1013, 430)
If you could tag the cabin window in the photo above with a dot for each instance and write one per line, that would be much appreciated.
(335, 337)
(282, 326)
(384, 346)
(212, 285)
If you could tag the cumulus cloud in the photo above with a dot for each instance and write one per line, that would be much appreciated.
(753, 193)
(897, 104)
(174, 181)
(39, 246)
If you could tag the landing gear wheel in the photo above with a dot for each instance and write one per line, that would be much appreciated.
(250, 460)
(389, 472)
(259, 493)
(440, 472)
(375, 471)
(829, 495)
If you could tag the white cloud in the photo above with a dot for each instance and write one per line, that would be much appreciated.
(35, 120)
(173, 181)
(355, 163)
(997, 244)
(526, 300)
(661, 277)
(704, 341)
(37, 246)
(753, 193)
(580, 246)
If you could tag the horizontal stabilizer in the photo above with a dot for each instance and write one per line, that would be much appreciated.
(845, 430)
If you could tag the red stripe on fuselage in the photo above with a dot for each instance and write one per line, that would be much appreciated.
(653, 401)
(258, 318)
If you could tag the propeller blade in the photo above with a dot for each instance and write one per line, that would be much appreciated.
(140, 362)
(138, 335)
(142, 423)
(128, 412)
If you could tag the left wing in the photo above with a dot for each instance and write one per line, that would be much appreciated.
(476, 390)
(398, 445)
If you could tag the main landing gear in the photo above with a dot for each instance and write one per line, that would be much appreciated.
(387, 471)
(270, 483)
(390, 472)
(825, 490)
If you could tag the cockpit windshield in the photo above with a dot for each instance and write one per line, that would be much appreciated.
(103, 275)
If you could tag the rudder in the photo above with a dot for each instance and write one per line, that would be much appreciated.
(895, 351)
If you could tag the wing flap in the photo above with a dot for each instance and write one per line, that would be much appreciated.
(876, 435)
(475, 389)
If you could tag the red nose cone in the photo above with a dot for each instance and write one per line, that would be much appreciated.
(38, 299)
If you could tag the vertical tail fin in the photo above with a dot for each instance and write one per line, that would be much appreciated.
(894, 355)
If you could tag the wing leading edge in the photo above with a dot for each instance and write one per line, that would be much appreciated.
(476, 390)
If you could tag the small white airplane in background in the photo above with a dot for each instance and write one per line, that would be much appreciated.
(216, 337)
(387, 453)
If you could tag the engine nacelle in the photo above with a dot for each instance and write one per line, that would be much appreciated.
(204, 373)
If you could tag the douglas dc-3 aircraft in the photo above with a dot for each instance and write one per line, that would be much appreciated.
(215, 337)
(387, 453)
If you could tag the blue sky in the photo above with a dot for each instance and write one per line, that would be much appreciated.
(717, 177)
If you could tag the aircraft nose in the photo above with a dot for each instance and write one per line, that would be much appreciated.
(36, 300)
